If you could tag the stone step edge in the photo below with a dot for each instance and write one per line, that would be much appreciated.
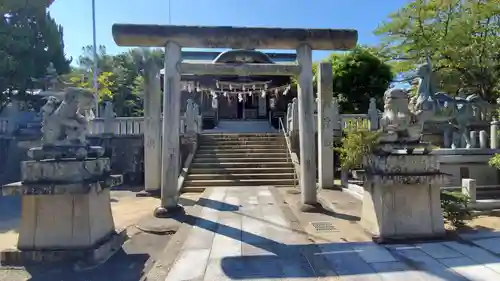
(200, 189)
(239, 180)
(241, 175)
(241, 163)
(243, 169)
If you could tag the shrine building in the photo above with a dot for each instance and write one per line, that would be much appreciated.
(236, 97)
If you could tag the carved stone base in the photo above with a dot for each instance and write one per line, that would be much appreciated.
(402, 197)
(402, 211)
(86, 257)
(57, 152)
(64, 171)
(65, 221)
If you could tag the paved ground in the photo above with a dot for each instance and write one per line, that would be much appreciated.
(252, 234)
(259, 234)
(130, 264)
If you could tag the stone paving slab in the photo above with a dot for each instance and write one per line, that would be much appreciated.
(251, 234)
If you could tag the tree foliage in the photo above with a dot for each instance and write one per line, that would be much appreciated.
(461, 37)
(358, 76)
(121, 76)
(30, 40)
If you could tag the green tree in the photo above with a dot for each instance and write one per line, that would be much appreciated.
(123, 75)
(30, 40)
(460, 37)
(358, 76)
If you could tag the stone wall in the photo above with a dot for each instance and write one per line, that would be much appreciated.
(126, 153)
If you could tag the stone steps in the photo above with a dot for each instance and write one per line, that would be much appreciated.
(244, 146)
(224, 160)
(240, 160)
(241, 182)
(241, 165)
(241, 154)
(243, 143)
(228, 176)
(239, 170)
(204, 150)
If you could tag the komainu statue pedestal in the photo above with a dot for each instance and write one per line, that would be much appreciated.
(402, 197)
(66, 211)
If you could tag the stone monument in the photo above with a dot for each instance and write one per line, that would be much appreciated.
(66, 211)
(402, 186)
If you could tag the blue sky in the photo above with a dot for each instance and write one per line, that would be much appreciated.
(76, 16)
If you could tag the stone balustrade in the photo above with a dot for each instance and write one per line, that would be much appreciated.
(367, 121)
(129, 125)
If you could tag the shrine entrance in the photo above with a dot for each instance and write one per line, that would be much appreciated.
(174, 38)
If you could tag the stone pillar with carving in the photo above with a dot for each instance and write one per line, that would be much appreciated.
(306, 129)
(190, 118)
(373, 115)
(325, 126)
(494, 134)
(109, 116)
(170, 152)
(262, 105)
(403, 181)
(152, 128)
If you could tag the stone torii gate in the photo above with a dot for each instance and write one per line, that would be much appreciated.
(174, 38)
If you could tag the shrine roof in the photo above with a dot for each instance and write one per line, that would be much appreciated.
(233, 37)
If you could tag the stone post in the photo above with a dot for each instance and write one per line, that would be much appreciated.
(447, 138)
(171, 123)
(373, 115)
(190, 118)
(152, 128)
(494, 134)
(473, 139)
(325, 126)
(306, 128)
(483, 139)
(109, 115)
(288, 120)
(456, 139)
(262, 106)
(13, 116)
(469, 189)
(295, 115)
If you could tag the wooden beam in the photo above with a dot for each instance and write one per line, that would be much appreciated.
(233, 37)
(249, 69)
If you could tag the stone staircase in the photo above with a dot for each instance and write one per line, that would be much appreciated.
(243, 159)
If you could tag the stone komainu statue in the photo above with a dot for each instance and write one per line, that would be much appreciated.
(67, 123)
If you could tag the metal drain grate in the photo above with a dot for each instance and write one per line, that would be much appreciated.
(323, 226)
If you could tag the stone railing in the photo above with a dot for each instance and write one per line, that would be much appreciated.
(191, 121)
(123, 126)
(367, 121)
(119, 126)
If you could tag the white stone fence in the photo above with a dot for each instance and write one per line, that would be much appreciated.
(471, 190)
(340, 122)
(125, 126)
(191, 121)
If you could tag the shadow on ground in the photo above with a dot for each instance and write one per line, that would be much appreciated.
(129, 264)
(319, 260)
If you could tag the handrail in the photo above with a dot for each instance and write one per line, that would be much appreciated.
(281, 127)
